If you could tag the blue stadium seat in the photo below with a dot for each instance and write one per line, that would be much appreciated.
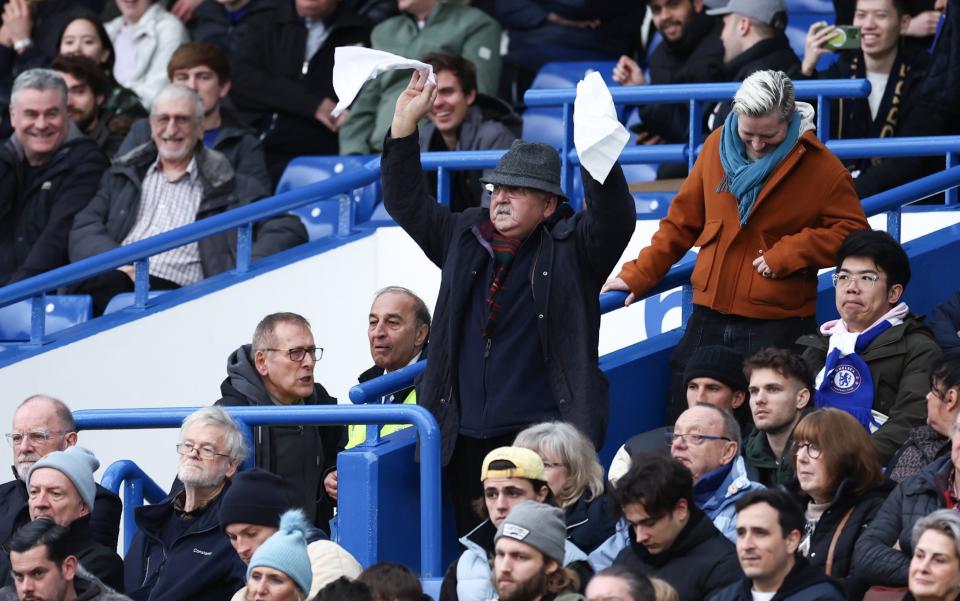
(320, 218)
(125, 299)
(305, 170)
(543, 125)
(566, 75)
(62, 312)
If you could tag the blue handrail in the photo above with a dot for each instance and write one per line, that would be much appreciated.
(422, 420)
(138, 253)
(889, 202)
(137, 486)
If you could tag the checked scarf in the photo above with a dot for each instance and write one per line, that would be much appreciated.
(504, 251)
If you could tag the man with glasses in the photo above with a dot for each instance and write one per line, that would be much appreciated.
(672, 538)
(516, 322)
(42, 425)
(179, 550)
(874, 361)
(705, 439)
(780, 388)
(169, 182)
(277, 369)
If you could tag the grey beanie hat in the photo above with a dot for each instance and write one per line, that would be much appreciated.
(539, 525)
(77, 464)
(529, 165)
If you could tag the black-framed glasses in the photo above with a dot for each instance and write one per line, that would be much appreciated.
(297, 354)
(691, 439)
(36, 437)
(205, 452)
(813, 451)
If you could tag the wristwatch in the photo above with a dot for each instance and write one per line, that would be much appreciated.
(20, 45)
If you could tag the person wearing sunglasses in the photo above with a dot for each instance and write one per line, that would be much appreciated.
(277, 369)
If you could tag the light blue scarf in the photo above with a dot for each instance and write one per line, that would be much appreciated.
(742, 177)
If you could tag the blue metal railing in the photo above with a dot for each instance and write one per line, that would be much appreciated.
(242, 218)
(248, 417)
(889, 202)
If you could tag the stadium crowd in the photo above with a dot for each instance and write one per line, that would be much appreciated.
(800, 461)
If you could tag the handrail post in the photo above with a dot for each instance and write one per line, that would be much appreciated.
(132, 497)
(950, 196)
(694, 134)
(823, 118)
(141, 282)
(346, 211)
(38, 318)
(443, 186)
(566, 169)
(244, 247)
(893, 223)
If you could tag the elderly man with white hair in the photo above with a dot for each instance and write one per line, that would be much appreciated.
(768, 205)
(180, 551)
(168, 182)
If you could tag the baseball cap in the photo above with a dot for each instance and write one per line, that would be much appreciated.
(526, 464)
(761, 10)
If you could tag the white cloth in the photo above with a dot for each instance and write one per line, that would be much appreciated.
(354, 65)
(597, 134)
(758, 596)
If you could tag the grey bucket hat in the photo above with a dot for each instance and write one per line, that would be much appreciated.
(529, 165)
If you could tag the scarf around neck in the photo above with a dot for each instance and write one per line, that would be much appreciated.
(742, 177)
(845, 382)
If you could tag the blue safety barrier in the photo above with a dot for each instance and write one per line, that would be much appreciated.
(248, 417)
(243, 218)
(889, 202)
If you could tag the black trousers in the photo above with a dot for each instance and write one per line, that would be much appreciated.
(743, 334)
(107, 285)
(462, 475)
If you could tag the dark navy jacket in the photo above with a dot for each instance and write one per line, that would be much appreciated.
(803, 583)
(200, 565)
(574, 255)
(36, 216)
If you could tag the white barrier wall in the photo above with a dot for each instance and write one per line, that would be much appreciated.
(178, 357)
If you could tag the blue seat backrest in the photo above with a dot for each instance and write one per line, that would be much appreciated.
(320, 218)
(62, 312)
(566, 75)
(543, 125)
(306, 170)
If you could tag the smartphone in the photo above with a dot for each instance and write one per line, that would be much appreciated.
(846, 37)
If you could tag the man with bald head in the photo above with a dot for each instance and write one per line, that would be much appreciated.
(42, 425)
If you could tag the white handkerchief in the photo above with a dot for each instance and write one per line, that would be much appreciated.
(354, 65)
(597, 134)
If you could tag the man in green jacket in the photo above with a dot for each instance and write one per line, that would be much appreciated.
(423, 26)
(874, 361)
(781, 387)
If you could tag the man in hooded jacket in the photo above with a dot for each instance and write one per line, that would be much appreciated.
(277, 369)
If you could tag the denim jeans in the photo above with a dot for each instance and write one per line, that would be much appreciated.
(743, 334)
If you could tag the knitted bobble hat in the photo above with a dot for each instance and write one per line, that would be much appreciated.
(286, 550)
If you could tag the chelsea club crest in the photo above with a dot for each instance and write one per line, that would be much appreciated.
(845, 379)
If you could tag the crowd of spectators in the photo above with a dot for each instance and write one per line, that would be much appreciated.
(798, 461)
